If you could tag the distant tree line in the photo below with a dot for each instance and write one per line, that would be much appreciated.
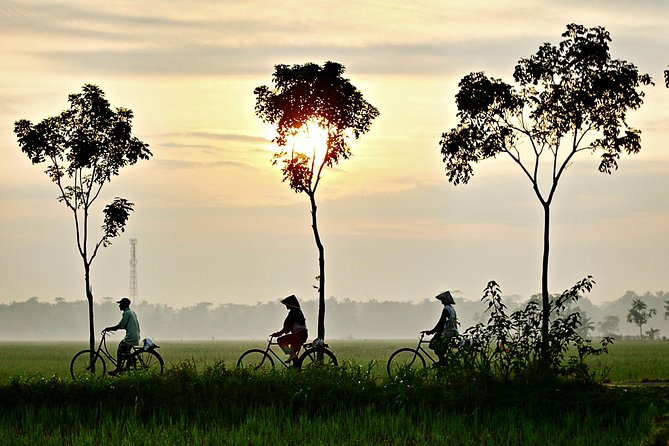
(347, 319)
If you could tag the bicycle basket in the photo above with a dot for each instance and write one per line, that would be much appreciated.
(148, 344)
(318, 343)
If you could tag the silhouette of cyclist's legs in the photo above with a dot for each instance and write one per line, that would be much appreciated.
(291, 343)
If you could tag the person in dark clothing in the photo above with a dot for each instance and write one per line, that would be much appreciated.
(294, 329)
(446, 329)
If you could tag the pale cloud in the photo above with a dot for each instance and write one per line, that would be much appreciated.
(222, 136)
(188, 165)
(411, 38)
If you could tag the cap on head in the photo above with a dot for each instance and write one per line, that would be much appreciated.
(290, 301)
(446, 298)
(125, 301)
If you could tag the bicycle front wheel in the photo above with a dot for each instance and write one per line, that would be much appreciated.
(310, 358)
(81, 367)
(255, 359)
(148, 361)
(403, 360)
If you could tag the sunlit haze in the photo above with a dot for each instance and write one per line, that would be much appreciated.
(215, 223)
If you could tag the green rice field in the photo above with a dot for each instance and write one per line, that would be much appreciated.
(202, 399)
(627, 361)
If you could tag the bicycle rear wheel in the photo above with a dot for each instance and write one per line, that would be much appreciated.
(403, 360)
(309, 358)
(80, 366)
(255, 359)
(148, 361)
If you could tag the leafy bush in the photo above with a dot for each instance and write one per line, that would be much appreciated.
(509, 345)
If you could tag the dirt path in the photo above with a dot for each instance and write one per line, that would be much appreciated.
(639, 384)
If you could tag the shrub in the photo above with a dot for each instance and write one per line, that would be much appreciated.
(509, 345)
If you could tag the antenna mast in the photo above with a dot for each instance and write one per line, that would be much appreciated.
(133, 269)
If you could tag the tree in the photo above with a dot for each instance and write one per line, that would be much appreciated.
(609, 325)
(653, 333)
(84, 148)
(639, 314)
(308, 99)
(586, 324)
(569, 99)
(666, 309)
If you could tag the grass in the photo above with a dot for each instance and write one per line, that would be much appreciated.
(46, 359)
(347, 405)
(627, 361)
(635, 361)
(203, 399)
(359, 427)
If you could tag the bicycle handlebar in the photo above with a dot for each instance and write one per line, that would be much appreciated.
(422, 336)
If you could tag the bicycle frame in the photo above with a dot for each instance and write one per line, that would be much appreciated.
(86, 362)
(103, 350)
(270, 350)
(420, 348)
(309, 353)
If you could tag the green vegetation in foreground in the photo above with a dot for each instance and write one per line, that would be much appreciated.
(46, 359)
(626, 361)
(344, 405)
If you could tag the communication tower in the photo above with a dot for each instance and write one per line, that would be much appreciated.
(133, 269)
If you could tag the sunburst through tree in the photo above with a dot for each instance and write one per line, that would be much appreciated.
(315, 111)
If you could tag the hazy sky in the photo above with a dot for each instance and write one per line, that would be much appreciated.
(215, 223)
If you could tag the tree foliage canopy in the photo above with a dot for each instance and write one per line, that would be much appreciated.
(90, 135)
(573, 95)
(639, 314)
(87, 144)
(309, 93)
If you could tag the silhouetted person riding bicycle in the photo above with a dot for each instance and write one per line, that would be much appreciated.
(446, 329)
(294, 329)
(130, 324)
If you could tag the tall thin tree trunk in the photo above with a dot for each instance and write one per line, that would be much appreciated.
(321, 268)
(91, 322)
(545, 298)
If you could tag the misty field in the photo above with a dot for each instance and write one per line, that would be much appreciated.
(627, 361)
(203, 399)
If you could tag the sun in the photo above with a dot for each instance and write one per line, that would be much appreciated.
(310, 140)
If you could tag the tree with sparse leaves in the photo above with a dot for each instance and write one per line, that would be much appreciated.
(84, 147)
(568, 99)
(609, 325)
(653, 333)
(639, 314)
(311, 95)
(586, 326)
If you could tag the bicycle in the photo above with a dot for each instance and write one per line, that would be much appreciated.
(257, 359)
(409, 358)
(144, 358)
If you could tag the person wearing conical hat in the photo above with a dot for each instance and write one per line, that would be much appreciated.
(446, 329)
(294, 332)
